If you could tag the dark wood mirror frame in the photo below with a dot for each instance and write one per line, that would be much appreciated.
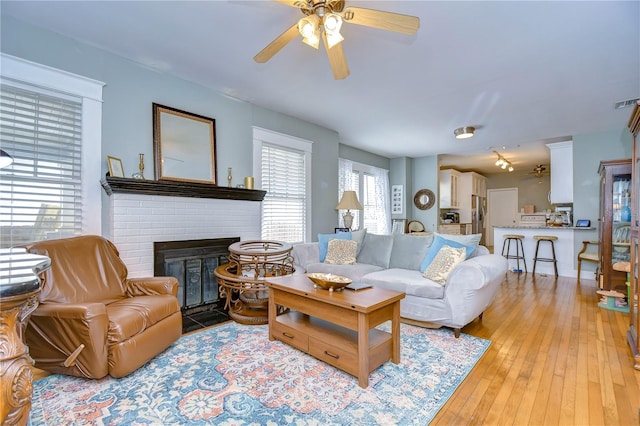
(184, 145)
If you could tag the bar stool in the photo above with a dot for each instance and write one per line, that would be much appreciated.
(519, 249)
(550, 239)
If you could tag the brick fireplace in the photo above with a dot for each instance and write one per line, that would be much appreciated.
(142, 213)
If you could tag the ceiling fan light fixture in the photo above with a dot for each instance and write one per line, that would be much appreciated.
(333, 39)
(332, 24)
(310, 30)
(313, 41)
(510, 168)
(464, 132)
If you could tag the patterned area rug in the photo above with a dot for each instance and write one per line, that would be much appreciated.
(233, 375)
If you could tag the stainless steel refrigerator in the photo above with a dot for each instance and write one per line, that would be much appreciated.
(478, 213)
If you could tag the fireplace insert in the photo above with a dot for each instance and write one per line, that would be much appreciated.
(193, 263)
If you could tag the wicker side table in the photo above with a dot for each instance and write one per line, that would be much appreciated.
(241, 280)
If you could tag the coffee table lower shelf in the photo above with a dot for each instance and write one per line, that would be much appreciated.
(331, 343)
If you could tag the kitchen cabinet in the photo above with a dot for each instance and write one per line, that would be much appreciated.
(615, 222)
(449, 189)
(561, 155)
(455, 228)
(478, 184)
(469, 184)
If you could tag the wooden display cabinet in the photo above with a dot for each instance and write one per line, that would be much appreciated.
(634, 314)
(615, 222)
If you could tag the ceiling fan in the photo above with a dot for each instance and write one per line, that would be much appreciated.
(323, 20)
(539, 171)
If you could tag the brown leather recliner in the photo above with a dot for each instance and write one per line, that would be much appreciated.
(92, 320)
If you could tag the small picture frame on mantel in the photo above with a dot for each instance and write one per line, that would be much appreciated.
(115, 167)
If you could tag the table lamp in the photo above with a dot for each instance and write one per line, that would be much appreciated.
(349, 201)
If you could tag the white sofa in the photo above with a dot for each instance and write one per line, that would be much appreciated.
(393, 262)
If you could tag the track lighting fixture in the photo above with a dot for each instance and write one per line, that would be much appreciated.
(503, 163)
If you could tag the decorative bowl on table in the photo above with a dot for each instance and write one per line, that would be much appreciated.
(329, 282)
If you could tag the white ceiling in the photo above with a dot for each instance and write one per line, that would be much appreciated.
(523, 73)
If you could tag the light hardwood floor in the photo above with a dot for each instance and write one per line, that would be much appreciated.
(556, 358)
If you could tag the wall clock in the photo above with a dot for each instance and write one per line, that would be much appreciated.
(424, 199)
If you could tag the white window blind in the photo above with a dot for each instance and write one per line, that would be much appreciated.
(284, 208)
(41, 192)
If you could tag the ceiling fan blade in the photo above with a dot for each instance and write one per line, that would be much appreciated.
(292, 3)
(337, 60)
(389, 21)
(276, 45)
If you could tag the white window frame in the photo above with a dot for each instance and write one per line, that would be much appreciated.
(261, 136)
(90, 90)
(364, 169)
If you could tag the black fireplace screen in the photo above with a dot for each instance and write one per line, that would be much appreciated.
(193, 263)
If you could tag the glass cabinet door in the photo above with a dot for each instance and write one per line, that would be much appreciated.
(621, 218)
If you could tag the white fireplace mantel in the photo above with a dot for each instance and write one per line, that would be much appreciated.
(140, 215)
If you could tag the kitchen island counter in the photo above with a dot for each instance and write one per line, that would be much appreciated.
(574, 228)
(564, 247)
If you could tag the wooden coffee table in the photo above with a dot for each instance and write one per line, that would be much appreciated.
(336, 327)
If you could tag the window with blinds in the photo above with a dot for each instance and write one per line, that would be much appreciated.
(284, 208)
(372, 186)
(41, 192)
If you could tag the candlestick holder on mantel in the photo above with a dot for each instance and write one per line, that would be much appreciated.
(140, 173)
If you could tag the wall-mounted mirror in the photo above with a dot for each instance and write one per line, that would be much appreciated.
(184, 145)
(424, 199)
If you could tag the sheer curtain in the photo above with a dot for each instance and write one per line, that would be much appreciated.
(347, 181)
(382, 200)
(372, 186)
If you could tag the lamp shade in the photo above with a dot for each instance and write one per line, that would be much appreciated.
(5, 159)
(349, 201)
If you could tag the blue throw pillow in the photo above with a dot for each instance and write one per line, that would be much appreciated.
(438, 242)
(323, 241)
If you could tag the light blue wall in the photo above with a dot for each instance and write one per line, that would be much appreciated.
(364, 157)
(400, 174)
(588, 151)
(127, 113)
(425, 176)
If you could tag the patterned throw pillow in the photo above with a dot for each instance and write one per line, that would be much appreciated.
(438, 242)
(341, 252)
(444, 262)
(323, 241)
